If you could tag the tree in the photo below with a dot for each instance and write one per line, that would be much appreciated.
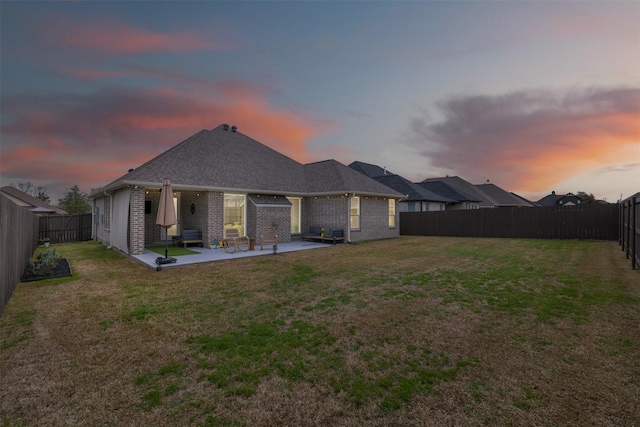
(39, 192)
(587, 199)
(75, 202)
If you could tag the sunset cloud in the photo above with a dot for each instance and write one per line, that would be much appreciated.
(118, 38)
(98, 137)
(529, 140)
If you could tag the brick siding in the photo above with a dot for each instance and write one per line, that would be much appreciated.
(136, 221)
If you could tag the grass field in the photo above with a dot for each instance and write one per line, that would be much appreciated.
(407, 332)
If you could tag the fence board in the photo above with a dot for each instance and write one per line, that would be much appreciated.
(630, 229)
(19, 234)
(598, 222)
(66, 228)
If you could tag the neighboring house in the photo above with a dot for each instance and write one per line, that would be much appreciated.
(554, 199)
(461, 200)
(31, 203)
(417, 198)
(222, 179)
(489, 195)
(534, 204)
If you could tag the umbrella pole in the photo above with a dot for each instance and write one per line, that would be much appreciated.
(166, 244)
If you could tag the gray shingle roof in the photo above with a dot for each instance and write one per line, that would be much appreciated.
(501, 197)
(446, 190)
(413, 191)
(489, 195)
(372, 171)
(223, 160)
(37, 204)
(332, 177)
(402, 185)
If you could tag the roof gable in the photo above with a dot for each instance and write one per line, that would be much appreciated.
(330, 176)
(223, 159)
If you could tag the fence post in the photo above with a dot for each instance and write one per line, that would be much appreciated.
(634, 233)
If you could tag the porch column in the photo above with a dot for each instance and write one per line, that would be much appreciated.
(136, 222)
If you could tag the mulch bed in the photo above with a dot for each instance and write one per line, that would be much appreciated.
(62, 270)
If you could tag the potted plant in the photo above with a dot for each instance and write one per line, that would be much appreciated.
(45, 241)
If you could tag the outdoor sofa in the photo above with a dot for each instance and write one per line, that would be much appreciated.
(334, 235)
(189, 235)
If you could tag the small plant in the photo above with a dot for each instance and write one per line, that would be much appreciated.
(44, 241)
(44, 263)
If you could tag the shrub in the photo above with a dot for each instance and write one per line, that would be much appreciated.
(44, 262)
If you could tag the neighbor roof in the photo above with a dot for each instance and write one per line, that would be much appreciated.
(372, 171)
(413, 191)
(489, 195)
(223, 159)
(402, 185)
(554, 199)
(33, 204)
(446, 190)
(502, 197)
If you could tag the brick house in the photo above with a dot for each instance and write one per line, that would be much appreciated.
(222, 178)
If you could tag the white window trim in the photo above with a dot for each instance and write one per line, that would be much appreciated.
(355, 215)
(392, 203)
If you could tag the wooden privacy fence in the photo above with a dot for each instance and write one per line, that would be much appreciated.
(19, 234)
(598, 222)
(66, 228)
(630, 228)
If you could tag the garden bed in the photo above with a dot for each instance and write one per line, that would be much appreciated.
(63, 269)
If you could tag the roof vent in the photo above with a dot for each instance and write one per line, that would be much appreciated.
(225, 126)
(234, 128)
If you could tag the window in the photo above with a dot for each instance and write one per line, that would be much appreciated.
(234, 211)
(411, 206)
(354, 213)
(392, 213)
(296, 210)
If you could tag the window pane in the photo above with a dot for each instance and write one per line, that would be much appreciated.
(295, 214)
(355, 222)
(392, 213)
(354, 210)
(234, 212)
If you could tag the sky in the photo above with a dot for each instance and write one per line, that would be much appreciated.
(532, 96)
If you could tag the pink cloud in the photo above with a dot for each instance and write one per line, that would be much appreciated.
(93, 139)
(529, 140)
(117, 38)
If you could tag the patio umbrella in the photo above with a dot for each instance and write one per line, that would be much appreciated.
(166, 212)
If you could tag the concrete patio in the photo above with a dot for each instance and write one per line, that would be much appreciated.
(148, 258)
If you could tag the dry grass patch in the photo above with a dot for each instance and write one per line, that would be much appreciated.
(410, 331)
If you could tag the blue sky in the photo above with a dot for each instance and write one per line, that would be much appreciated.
(533, 96)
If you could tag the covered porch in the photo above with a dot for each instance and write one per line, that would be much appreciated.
(205, 254)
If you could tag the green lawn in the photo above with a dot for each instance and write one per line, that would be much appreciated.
(409, 331)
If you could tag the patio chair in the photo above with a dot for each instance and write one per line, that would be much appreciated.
(235, 242)
(268, 236)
